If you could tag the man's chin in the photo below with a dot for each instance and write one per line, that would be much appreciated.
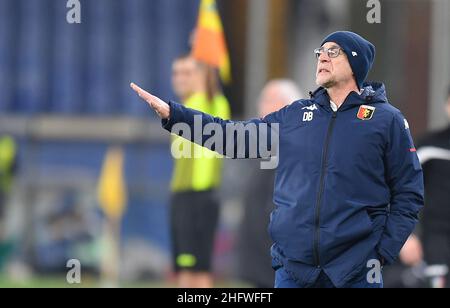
(327, 84)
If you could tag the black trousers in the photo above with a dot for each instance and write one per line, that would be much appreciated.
(194, 217)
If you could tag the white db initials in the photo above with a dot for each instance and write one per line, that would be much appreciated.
(308, 116)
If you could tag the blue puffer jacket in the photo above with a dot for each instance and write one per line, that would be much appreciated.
(349, 185)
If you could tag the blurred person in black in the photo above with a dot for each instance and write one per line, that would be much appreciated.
(434, 154)
(254, 260)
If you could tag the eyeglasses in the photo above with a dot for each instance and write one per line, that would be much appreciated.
(333, 52)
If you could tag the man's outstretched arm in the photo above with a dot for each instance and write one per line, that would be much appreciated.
(257, 138)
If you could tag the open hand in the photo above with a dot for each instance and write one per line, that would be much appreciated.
(160, 106)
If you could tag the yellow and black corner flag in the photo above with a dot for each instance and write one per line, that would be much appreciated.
(112, 192)
(209, 43)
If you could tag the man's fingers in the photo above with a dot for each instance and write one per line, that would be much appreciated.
(161, 107)
(137, 89)
(142, 93)
(150, 99)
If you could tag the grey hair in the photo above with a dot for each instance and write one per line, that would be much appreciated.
(288, 89)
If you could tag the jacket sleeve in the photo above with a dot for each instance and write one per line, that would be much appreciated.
(405, 178)
(257, 138)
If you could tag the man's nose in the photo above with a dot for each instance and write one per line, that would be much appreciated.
(323, 58)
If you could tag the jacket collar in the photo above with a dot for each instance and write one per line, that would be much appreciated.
(371, 93)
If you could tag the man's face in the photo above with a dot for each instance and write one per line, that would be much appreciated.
(183, 77)
(333, 71)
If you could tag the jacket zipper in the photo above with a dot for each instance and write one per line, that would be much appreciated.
(321, 190)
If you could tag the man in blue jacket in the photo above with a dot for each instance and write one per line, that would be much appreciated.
(349, 185)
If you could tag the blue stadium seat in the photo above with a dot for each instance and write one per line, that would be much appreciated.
(50, 66)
